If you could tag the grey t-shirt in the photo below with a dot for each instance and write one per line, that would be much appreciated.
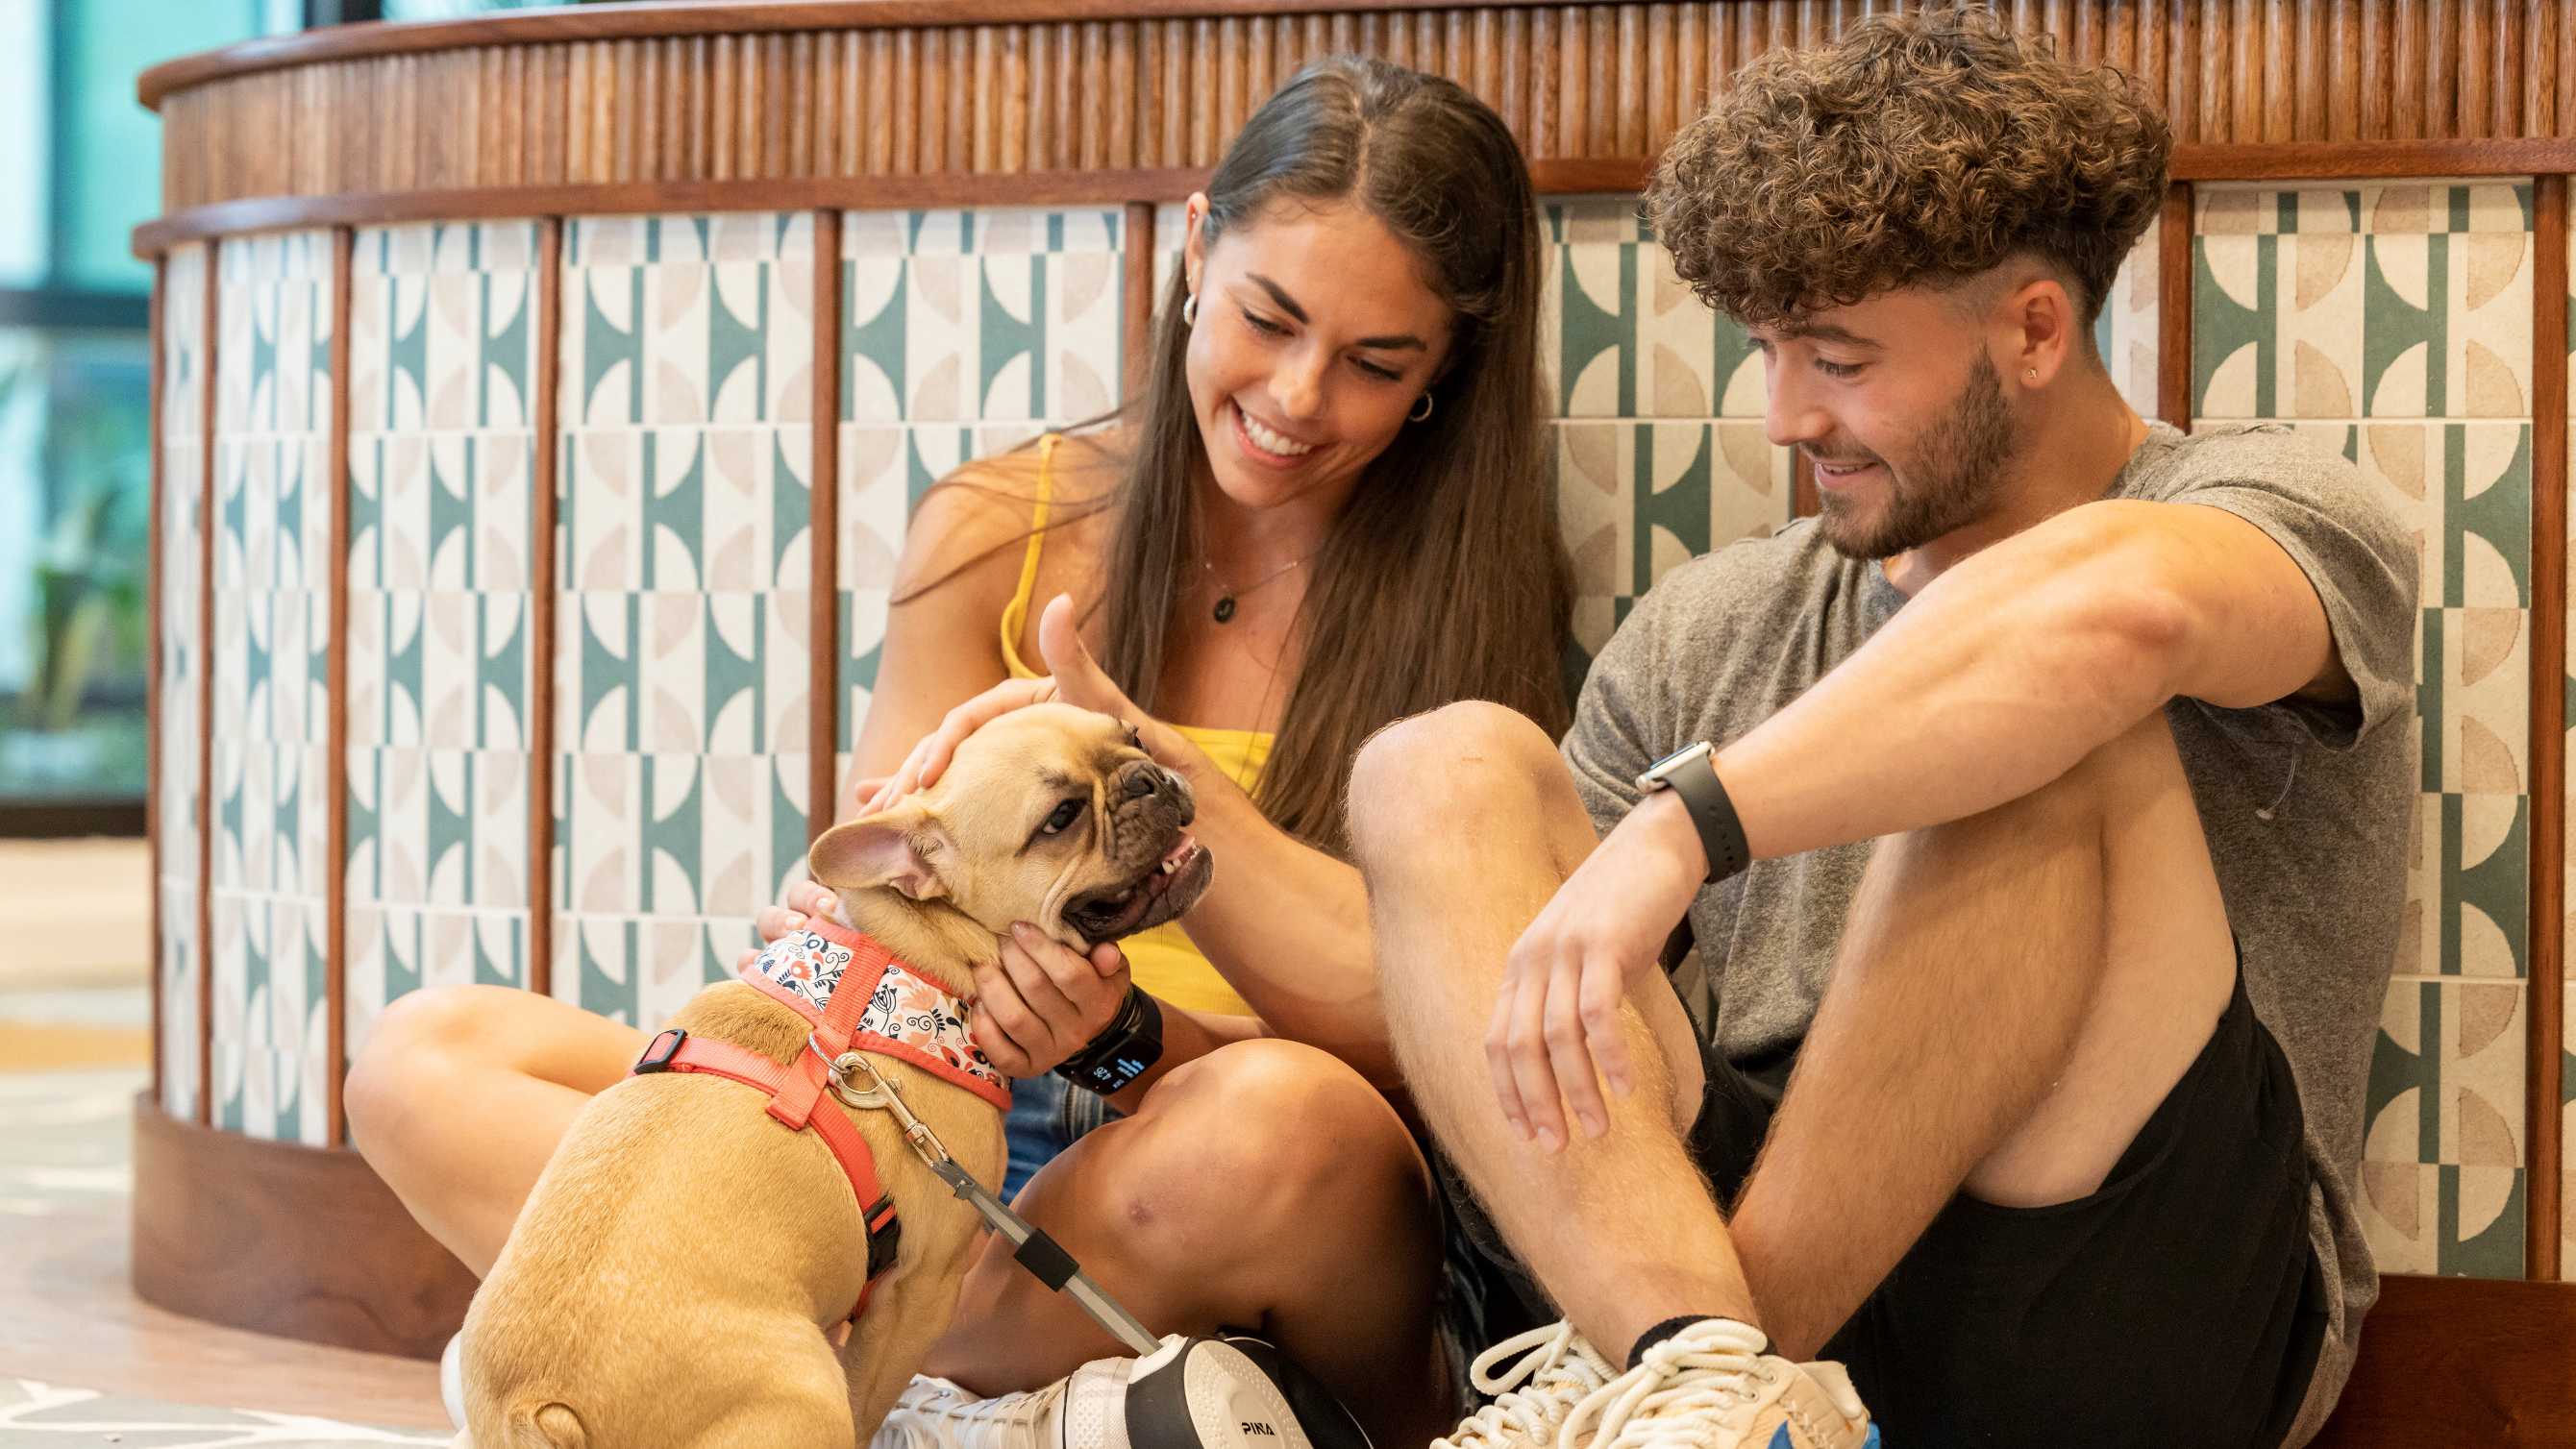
(2307, 807)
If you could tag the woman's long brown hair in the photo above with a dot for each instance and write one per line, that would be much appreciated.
(1445, 576)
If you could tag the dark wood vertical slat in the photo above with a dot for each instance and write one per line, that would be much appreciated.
(2546, 1009)
(206, 516)
(1802, 485)
(1138, 299)
(541, 611)
(823, 718)
(153, 604)
(335, 882)
(2173, 307)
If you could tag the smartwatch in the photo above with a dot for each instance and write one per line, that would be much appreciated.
(1125, 1050)
(1691, 773)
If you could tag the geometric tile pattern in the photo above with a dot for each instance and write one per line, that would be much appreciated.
(963, 334)
(2392, 322)
(442, 355)
(683, 566)
(271, 652)
(182, 662)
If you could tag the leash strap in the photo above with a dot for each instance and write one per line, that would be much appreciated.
(857, 1082)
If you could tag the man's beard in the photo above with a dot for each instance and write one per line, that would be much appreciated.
(1948, 480)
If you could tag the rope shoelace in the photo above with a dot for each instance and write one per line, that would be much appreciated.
(1554, 1370)
(1687, 1388)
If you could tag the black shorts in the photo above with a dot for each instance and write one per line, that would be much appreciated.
(2180, 1304)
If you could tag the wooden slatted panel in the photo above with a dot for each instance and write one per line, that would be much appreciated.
(1572, 81)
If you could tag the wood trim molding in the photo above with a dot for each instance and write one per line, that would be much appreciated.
(153, 604)
(1139, 297)
(541, 610)
(867, 193)
(303, 1242)
(335, 887)
(2373, 160)
(206, 520)
(1584, 176)
(2173, 306)
(823, 729)
(2546, 1009)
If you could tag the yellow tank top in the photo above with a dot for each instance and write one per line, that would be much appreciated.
(1163, 960)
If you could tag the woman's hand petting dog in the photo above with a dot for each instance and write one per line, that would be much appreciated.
(1077, 679)
(1039, 1004)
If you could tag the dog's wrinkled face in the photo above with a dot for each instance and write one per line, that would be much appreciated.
(1049, 815)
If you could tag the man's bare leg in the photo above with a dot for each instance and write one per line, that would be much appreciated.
(2014, 995)
(2018, 909)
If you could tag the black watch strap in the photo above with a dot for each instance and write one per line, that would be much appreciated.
(1125, 1049)
(1721, 834)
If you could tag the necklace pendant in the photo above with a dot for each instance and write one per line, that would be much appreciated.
(1225, 609)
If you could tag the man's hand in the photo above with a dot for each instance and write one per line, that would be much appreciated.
(1557, 1018)
(1043, 1001)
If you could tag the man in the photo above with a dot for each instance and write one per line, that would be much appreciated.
(2070, 758)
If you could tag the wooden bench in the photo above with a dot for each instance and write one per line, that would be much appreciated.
(2462, 1363)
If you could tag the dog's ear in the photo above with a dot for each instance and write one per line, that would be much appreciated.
(890, 849)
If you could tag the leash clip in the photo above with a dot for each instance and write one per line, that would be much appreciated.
(872, 1092)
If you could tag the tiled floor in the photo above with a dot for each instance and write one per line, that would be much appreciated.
(82, 1360)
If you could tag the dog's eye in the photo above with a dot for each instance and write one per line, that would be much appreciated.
(1135, 738)
(1063, 818)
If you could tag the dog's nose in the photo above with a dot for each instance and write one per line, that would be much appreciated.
(1140, 782)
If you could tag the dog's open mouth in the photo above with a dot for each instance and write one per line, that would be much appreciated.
(1167, 888)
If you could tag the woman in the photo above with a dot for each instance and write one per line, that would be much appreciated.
(1333, 510)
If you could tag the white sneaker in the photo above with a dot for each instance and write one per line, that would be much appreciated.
(1711, 1386)
(1087, 1410)
(1555, 1371)
(451, 1380)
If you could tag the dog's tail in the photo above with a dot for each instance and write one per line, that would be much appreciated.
(545, 1424)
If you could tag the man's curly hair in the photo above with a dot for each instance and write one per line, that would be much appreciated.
(1924, 148)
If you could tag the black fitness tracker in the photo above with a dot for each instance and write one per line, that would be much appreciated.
(1125, 1050)
(1691, 773)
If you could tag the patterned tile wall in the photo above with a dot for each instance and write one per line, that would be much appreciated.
(963, 334)
(271, 649)
(2393, 323)
(442, 355)
(682, 640)
(181, 664)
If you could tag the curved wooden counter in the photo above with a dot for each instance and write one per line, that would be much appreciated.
(696, 297)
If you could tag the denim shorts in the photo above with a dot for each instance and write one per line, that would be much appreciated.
(1047, 1115)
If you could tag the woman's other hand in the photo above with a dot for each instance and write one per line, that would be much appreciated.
(805, 898)
(1078, 680)
(1042, 1001)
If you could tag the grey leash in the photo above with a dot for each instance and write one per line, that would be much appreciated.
(855, 1081)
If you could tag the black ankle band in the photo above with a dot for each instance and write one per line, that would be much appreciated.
(1667, 1329)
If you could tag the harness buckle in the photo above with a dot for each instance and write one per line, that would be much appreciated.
(658, 1052)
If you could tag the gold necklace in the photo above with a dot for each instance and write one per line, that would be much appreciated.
(1225, 596)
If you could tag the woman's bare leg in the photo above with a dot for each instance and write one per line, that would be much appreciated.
(1264, 1187)
(461, 1094)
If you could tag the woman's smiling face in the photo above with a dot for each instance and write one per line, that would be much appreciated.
(1316, 335)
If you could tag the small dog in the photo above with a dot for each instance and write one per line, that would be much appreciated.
(677, 1268)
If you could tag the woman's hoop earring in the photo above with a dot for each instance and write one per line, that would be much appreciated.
(1190, 310)
(1423, 411)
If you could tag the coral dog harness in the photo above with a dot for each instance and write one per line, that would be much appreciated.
(859, 998)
